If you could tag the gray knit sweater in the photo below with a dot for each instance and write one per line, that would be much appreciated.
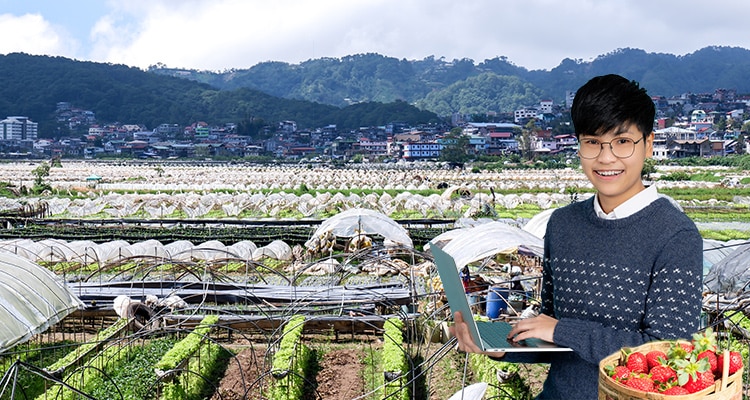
(615, 283)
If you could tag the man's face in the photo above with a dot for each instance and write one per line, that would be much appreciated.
(615, 175)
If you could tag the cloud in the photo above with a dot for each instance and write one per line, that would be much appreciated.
(32, 34)
(225, 34)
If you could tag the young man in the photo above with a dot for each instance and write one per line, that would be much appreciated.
(621, 268)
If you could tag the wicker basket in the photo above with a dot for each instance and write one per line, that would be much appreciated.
(725, 388)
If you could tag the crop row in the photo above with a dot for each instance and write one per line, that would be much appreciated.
(116, 365)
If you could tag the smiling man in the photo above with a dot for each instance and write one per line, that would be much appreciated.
(623, 267)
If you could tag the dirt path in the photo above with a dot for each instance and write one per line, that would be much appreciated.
(340, 376)
(242, 375)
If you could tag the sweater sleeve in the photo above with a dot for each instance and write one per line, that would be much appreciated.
(672, 308)
(546, 307)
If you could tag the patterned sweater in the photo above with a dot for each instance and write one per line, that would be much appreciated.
(615, 283)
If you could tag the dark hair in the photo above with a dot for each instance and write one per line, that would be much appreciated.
(611, 102)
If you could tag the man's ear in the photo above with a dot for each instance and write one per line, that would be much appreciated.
(650, 145)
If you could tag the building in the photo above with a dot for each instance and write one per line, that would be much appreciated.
(18, 129)
(519, 116)
(421, 150)
(371, 148)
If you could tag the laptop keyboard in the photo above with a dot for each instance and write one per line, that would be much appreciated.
(494, 335)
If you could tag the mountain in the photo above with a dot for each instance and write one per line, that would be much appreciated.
(33, 85)
(352, 91)
(445, 86)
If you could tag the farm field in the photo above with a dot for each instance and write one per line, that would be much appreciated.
(236, 291)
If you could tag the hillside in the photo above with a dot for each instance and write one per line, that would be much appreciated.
(33, 85)
(353, 91)
(465, 86)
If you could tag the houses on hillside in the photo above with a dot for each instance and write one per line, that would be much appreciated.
(530, 134)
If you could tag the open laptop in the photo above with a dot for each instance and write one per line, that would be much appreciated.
(489, 336)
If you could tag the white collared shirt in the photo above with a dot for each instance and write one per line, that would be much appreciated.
(630, 206)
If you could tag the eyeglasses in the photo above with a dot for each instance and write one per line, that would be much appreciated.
(622, 147)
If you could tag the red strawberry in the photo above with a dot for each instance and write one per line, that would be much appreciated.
(735, 362)
(713, 361)
(688, 347)
(701, 381)
(655, 357)
(679, 351)
(640, 382)
(693, 373)
(663, 374)
(617, 372)
(636, 362)
(675, 390)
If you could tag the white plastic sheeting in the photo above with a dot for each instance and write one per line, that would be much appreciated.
(369, 222)
(467, 245)
(210, 250)
(113, 251)
(147, 248)
(278, 249)
(730, 274)
(88, 252)
(243, 250)
(31, 300)
(179, 250)
(25, 248)
(537, 225)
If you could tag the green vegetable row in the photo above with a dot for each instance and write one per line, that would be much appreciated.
(290, 362)
(395, 367)
(180, 352)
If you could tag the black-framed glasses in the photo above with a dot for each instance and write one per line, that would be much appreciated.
(622, 147)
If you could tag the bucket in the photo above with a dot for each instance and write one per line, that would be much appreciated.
(497, 302)
(725, 388)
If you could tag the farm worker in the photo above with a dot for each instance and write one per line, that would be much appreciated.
(621, 268)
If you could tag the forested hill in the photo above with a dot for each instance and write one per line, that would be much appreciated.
(353, 91)
(33, 85)
(465, 86)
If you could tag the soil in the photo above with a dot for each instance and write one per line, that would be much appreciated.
(340, 376)
(240, 380)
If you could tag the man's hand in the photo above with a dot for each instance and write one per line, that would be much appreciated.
(460, 330)
(541, 327)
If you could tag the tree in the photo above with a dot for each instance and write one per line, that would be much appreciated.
(739, 147)
(41, 172)
(721, 124)
(455, 147)
(649, 167)
(526, 139)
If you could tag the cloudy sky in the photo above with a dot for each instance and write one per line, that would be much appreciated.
(223, 34)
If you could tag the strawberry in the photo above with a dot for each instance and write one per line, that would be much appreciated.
(675, 390)
(636, 362)
(679, 351)
(705, 346)
(656, 357)
(735, 362)
(688, 347)
(701, 381)
(617, 372)
(640, 382)
(692, 373)
(713, 361)
(663, 374)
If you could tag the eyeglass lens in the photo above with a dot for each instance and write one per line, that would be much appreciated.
(621, 147)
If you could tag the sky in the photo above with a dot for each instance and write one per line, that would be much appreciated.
(218, 35)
